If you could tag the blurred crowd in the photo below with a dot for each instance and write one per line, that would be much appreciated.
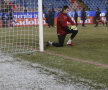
(7, 8)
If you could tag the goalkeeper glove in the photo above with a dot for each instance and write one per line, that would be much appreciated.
(74, 27)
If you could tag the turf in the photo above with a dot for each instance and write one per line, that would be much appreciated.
(91, 43)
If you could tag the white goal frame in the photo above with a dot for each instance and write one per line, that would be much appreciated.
(40, 17)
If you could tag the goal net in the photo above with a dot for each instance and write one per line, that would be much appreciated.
(21, 26)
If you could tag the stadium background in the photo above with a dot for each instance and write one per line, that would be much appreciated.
(25, 12)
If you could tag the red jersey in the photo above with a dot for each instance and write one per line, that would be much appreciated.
(62, 23)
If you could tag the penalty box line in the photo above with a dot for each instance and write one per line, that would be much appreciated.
(77, 59)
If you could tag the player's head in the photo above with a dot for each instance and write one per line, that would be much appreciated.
(83, 9)
(65, 9)
(97, 8)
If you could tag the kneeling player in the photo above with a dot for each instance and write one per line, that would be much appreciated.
(63, 29)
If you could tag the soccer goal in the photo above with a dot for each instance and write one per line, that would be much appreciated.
(21, 26)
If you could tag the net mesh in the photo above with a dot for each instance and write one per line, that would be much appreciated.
(18, 26)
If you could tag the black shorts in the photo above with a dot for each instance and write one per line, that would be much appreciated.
(70, 31)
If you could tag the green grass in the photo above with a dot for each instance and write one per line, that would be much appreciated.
(91, 44)
(94, 75)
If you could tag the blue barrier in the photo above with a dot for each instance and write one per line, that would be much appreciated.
(35, 14)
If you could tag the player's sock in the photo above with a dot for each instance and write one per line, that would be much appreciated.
(69, 41)
(50, 42)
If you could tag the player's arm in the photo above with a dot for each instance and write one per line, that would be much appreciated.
(70, 20)
(73, 27)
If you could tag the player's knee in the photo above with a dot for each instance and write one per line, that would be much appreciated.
(61, 45)
(75, 31)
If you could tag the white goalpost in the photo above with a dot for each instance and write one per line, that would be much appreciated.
(40, 25)
(21, 26)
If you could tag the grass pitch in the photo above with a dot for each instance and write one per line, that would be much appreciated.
(91, 45)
